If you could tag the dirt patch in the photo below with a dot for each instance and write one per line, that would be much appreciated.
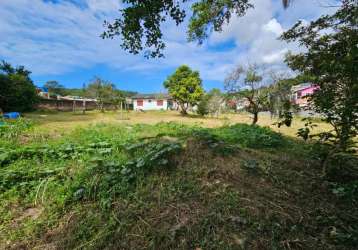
(29, 213)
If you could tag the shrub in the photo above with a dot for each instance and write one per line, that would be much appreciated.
(250, 136)
(203, 108)
(342, 167)
(12, 129)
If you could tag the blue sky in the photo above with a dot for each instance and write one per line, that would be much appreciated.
(59, 40)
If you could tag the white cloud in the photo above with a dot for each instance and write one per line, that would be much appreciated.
(103, 5)
(274, 27)
(62, 37)
(274, 57)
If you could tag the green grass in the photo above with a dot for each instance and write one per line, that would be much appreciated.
(168, 186)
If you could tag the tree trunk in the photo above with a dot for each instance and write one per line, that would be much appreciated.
(183, 109)
(255, 118)
(183, 112)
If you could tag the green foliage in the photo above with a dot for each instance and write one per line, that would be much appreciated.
(11, 129)
(330, 57)
(211, 15)
(55, 88)
(140, 23)
(305, 133)
(211, 103)
(177, 186)
(342, 167)
(246, 83)
(17, 91)
(250, 136)
(102, 91)
(185, 87)
(203, 108)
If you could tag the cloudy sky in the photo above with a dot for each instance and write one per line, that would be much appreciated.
(59, 40)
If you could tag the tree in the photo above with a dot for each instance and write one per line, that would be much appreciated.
(331, 57)
(185, 87)
(140, 23)
(215, 102)
(55, 88)
(246, 83)
(211, 103)
(203, 108)
(17, 91)
(101, 90)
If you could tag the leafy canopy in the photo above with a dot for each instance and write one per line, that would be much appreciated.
(185, 87)
(17, 91)
(140, 23)
(246, 83)
(54, 87)
(331, 58)
(102, 91)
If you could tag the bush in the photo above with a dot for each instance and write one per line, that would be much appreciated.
(250, 136)
(11, 129)
(203, 106)
(342, 167)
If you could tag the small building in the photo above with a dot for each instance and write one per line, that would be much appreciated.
(301, 92)
(43, 92)
(152, 101)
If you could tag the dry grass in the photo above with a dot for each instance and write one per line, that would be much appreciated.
(63, 122)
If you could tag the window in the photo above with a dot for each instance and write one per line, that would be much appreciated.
(140, 103)
(159, 102)
(149, 101)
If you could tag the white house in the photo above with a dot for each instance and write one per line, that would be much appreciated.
(152, 102)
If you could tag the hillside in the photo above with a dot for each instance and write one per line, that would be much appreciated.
(169, 186)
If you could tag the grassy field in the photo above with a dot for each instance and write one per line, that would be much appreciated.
(157, 180)
(59, 122)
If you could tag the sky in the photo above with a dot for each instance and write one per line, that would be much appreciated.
(60, 40)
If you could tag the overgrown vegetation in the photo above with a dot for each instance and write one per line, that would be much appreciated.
(170, 186)
(17, 91)
(330, 58)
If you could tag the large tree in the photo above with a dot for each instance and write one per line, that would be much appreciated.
(101, 90)
(185, 87)
(17, 91)
(246, 83)
(54, 87)
(140, 23)
(331, 57)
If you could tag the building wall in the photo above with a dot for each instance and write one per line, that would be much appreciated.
(300, 97)
(308, 91)
(69, 105)
(150, 104)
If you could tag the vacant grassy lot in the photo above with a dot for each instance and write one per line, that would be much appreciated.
(59, 122)
(161, 181)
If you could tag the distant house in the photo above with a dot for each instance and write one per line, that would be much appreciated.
(152, 102)
(43, 92)
(241, 104)
(301, 92)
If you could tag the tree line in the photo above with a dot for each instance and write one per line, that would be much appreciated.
(19, 93)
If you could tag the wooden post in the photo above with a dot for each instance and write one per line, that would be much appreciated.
(121, 110)
(74, 106)
(84, 107)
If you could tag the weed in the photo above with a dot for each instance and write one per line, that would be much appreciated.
(11, 129)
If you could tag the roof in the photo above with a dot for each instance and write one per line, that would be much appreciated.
(302, 86)
(152, 96)
(42, 89)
